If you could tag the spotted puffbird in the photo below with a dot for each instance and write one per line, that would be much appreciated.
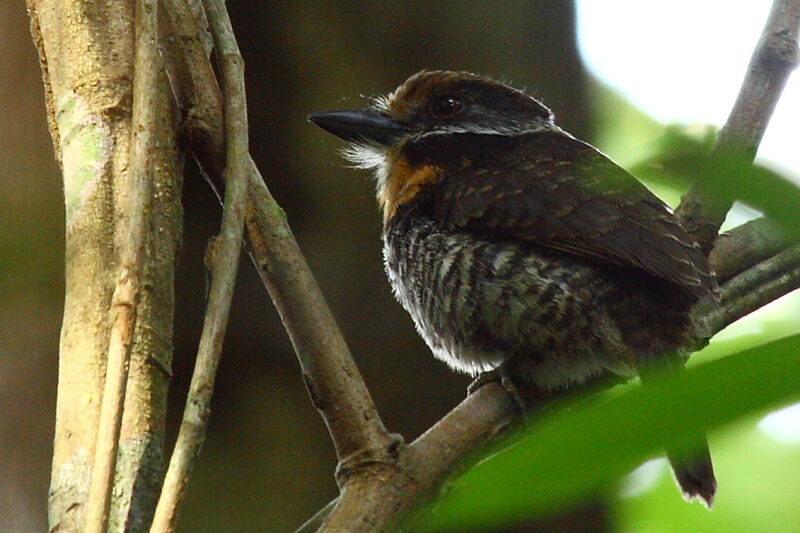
(514, 245)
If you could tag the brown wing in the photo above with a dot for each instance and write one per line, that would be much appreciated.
(568, 196)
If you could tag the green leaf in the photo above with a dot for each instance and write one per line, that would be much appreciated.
(573, 453)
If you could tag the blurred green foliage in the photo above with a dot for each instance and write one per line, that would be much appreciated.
(576, 451)
(759, 488)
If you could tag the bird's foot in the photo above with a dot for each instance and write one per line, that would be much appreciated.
(502, 376)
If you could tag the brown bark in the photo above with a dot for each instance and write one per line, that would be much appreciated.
(86, 53)
(331, 376)
(223, 263)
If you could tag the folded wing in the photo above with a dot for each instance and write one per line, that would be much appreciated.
(567, 196)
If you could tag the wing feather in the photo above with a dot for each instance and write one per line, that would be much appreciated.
(568, 196)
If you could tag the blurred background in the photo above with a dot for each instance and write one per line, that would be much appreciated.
(616, 73)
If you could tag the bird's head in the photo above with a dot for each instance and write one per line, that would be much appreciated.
(428, 124)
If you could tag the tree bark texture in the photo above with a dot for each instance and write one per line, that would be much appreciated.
(86, 54)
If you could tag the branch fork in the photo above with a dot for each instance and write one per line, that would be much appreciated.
(370, 457)
(381, 477)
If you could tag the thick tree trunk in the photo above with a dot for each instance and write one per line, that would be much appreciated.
(86, 52)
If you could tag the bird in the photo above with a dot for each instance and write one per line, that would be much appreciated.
(521, 250)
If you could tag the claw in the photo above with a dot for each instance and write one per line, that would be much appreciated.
(502, 376)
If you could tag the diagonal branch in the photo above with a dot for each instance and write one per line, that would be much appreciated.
(752, 289)
(331, 376)
(374, 503)
(385, 479)
(224, 266)
(747, 245)
(703, 208)
(125, 300)
(334, 383)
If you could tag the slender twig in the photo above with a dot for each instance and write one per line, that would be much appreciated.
(773, 60)
(703, 208)
(193, 83)
(224, 266)
(313, 524)
(125, 299)
(753, 289)
(744, 282)
(747, 245)
(332, 378)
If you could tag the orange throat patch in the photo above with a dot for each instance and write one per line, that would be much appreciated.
(402, 184)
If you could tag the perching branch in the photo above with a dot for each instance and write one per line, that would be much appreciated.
(702, 211)
(381, 477)
(224, 265)
(773, 60)
(373, 503)
(125, 300)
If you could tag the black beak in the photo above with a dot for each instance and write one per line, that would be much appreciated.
(359, 125)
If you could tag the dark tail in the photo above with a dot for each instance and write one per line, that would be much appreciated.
(695, 473)
(692, 465)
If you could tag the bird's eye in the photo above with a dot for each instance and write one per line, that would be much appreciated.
(446, 106)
